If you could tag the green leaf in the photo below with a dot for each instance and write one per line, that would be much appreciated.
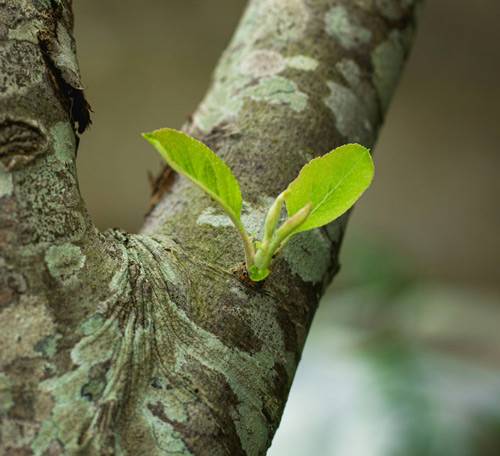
(196, 161)
(331, 183)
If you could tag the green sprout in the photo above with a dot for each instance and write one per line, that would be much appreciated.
(325, 188)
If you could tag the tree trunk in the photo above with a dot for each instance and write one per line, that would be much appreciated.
(151, 344)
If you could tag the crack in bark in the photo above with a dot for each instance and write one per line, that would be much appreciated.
(20, 142)
(59, 52)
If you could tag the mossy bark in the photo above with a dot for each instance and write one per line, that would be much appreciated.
(112, 343)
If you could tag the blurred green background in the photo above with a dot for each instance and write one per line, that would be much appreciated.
(404, 358)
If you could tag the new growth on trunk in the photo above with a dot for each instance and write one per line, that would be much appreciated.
(128, 344)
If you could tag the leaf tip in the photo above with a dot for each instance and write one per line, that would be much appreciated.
(148, 136)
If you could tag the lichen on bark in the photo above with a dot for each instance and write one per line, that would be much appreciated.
(113, 343)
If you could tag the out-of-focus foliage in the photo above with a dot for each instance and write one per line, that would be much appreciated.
(395, 366)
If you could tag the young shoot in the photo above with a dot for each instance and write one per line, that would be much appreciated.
(325, 188)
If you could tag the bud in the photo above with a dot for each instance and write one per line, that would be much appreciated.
(272, 217)
(293, 223)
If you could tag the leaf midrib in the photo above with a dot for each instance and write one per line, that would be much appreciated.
(317, 206)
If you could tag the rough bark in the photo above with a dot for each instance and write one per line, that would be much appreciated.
(113, 343)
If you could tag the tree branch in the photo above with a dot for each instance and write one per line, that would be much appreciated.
(114, 343)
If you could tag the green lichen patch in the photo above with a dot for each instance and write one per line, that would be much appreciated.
(6, 186)
(387, 59)
(213, 217)
(167, 439)
(92, 324)
(278, 90)
(291, 18)
(345, 29)
(25, 31)
(252, 218)
(22, 327)
(47, 346)
(308, 255)
(82, 397)
(351, 114)
(71, 413)
(64, 57)
(302, 62)
(350, 71)
(287, 20)
(225, 101)
(94, 388)
(263, 320)
(251, 429)
(222, 103)
(173, 402)
(266, 62)
(63, 141)
(354, 104)
(98, 347)
(46, 435)
(64, 262)
(262, 62)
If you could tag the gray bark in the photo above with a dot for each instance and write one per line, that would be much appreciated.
(115, 343)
